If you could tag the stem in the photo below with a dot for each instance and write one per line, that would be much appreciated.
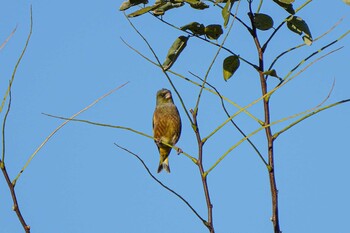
(209, 223)
(14, 198)
(270, 140)
(61, 126)
(160, 65)
(221, 46)
(163, 185)
(260, 5)
(269, 136)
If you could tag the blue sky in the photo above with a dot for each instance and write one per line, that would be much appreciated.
(81, 182)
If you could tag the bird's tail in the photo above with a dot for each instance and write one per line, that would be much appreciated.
(164, 166)
(164, 162)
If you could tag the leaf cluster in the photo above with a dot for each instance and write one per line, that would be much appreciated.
(259, 21)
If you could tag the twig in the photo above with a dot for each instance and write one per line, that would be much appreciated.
(124, 128)
(2, 161)
(160, 65)
(14, 198)
(238, 19)
(59, 127)
(193, 82)
(316, 52)
(234, 124)
(7, 178)
(268, 94)
(8, 38)
(209, 224)
(268, 133)
(309, 115)
(163, 185)
(301, 45)
(276, 134)
(213, 61)
(281, 24)
(207, 40)
(19, 60)
(4, 126)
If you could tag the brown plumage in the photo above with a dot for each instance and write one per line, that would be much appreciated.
(166, 126)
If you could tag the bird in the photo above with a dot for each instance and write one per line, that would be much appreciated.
(166, 126)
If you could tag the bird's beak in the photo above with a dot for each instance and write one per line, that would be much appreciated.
(168, 95)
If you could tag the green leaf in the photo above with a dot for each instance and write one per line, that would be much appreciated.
(224, 1)
(347, 2)
(299, 26)
(272, 73)
(144, 10)
(192, 2)
(167, 6)
(213, 31)
(286, 1)
(286, 6)
(127, 4)
(262, 21)
(226, 12)
(307, 40)
(199, 5)
(195, 27)
(230, 65)
(175, 51)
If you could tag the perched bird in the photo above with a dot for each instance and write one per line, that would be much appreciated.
(166, 126)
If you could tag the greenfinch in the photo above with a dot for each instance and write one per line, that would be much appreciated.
(166, 126)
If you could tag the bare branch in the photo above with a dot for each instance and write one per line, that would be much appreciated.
(59, 127)
(163, 185)
(8, 38)
(159, 65)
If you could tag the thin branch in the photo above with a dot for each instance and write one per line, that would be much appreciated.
(318, 51)
(281, 24)
(163, 185)
(235, 146)
(207, 40)
(4, 171)
(200, 142)
(8, 38)
(4, 126)
(310, 56)
(212, 63)
(59, 127)
(301, 45)
(267, 94)
(268, 133)
(307, 111)
(260, 5)
(10, 185)
(238, 19)
(276, 134)
(234, 124)
(162, 68)
(19, 60)
(309, 115)
(193, 82)
(14, 198)
(123, 128)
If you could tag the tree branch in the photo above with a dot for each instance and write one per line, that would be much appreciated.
(209, 224)
(269, 136)
(14, 198)
(163, 185)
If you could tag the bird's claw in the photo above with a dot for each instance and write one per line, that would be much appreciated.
(158, 141)
(179, 151)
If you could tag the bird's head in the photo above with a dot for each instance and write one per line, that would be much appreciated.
(164, 96)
